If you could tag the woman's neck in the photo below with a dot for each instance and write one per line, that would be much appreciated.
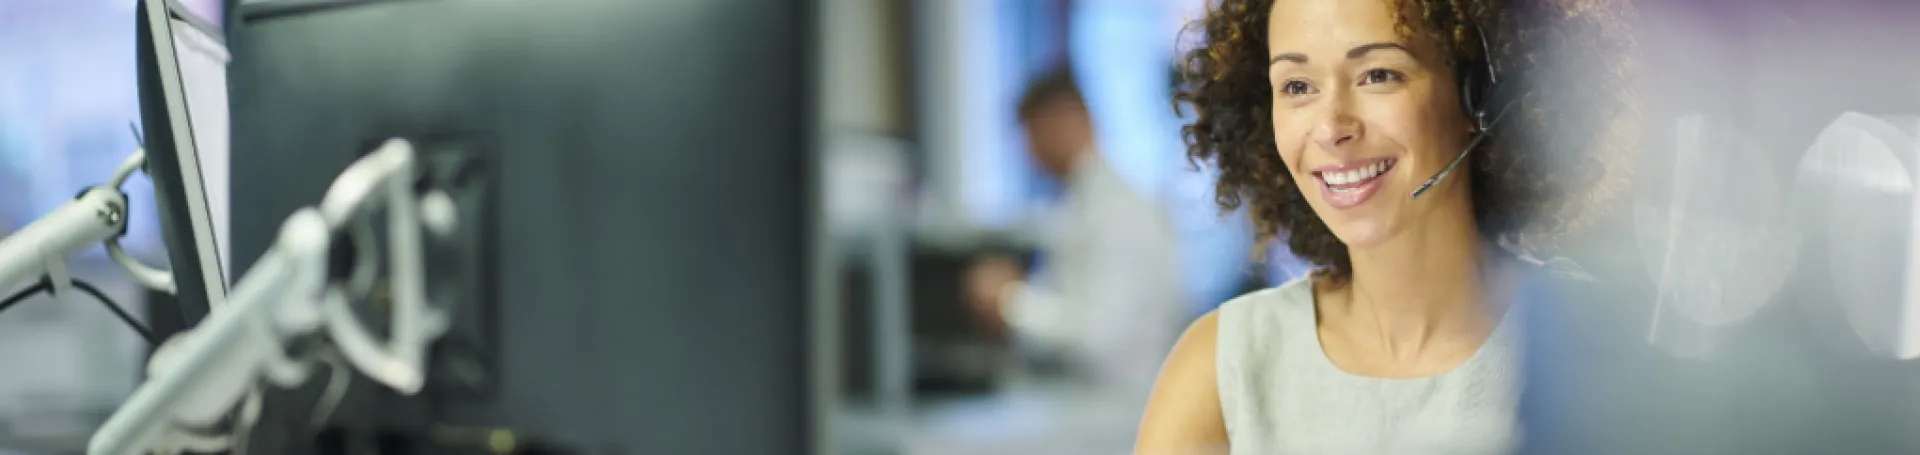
(1421, 285)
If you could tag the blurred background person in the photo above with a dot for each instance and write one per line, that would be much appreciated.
(985, 191)
(1107, 300)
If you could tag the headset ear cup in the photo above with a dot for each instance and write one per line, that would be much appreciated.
(1470, 84)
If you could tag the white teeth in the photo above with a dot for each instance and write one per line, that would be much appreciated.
(1355, 175)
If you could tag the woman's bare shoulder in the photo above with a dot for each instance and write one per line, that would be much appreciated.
(1195, 351)
(1183, 415)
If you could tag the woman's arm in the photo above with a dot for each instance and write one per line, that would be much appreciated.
(1183, 416)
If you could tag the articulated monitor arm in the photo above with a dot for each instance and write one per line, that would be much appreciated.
(292, 294)
(42, 248)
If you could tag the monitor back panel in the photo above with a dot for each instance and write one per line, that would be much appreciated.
(648, 161)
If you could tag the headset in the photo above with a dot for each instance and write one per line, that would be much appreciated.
(1478, 80)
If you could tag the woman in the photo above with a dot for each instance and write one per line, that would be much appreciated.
(1324, 117)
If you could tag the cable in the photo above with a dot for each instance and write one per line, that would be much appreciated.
(24, 294)
(46, 285)
(42, 286)
(117, 311)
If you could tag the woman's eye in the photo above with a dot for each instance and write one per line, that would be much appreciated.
(1295, 87)
(1376, 76)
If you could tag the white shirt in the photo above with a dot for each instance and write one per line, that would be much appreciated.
(1110, 299)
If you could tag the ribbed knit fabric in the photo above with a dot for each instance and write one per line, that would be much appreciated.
(1281, 395)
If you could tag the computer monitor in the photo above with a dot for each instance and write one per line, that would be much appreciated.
(181, 70)
(649, 169)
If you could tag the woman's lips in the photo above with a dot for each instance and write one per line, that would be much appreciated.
(1350, 184)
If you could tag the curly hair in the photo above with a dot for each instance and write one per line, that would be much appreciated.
(1561, 153)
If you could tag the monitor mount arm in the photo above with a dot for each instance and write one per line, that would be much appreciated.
(98, 216)
(295, 298)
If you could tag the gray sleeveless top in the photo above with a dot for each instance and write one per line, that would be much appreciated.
(1280, 394)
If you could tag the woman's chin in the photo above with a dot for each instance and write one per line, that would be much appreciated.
(1361, 234)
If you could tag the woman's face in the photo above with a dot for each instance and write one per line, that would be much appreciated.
(1362, 116)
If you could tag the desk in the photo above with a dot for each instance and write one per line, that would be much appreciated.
(1025, 417)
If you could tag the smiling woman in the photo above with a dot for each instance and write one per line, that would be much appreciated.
(1245, 96)
(1339, 123)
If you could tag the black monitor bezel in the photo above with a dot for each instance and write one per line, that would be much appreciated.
(173, 163)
